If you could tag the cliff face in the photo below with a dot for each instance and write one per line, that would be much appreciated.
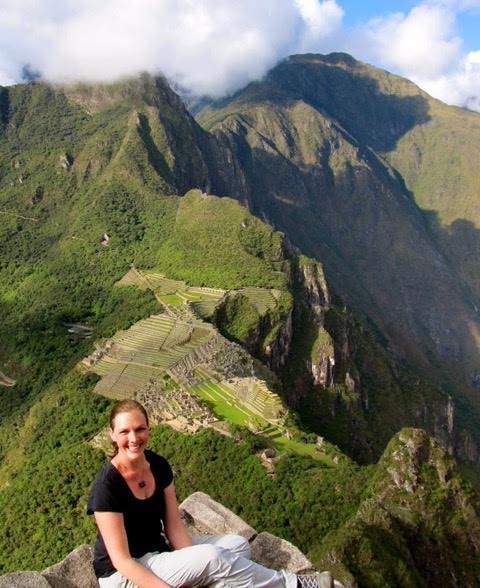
(345, 384)
(327, 147)
(416, 505)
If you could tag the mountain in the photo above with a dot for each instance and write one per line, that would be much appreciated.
(365, 172)
(113, 249)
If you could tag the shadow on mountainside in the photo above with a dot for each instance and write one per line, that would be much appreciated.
(460, 243)
(337, 86)
(4, 106)
(377, 249)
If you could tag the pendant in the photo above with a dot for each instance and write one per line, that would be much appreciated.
(142, 484)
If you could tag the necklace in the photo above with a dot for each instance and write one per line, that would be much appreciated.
(141, 483)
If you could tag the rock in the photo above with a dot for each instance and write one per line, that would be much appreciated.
(269, 453)
(66, 161)
(24, 580)
(206, 516)
(279, 554)
(75, 571)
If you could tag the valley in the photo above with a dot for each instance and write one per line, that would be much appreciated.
(290, 272)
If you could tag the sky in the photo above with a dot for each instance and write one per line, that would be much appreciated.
(214, 47)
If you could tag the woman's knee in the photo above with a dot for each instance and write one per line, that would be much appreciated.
(190, 566)
(237, 545)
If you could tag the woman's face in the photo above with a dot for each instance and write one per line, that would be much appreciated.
(130, 434)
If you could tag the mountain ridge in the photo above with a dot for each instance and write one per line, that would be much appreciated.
(85, 195)
(356, 190)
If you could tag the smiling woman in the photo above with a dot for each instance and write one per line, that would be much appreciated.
(141, 539)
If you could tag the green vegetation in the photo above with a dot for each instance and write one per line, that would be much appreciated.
(88, 193)
(237, 317)
(224, 403)
(45, 478)
(230, 473)
(207, 247)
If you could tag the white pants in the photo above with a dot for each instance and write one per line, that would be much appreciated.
(214, 560)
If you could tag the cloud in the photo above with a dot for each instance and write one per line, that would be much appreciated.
(460, 87)
(208, 46)
(423, 45)
(322, 20)
(217, 46)
(420, 44)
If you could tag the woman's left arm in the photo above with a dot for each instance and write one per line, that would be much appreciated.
(176, 532)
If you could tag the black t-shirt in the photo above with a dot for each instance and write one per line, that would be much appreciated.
(143, 518)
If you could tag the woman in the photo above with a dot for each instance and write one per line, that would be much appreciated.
(134, 503)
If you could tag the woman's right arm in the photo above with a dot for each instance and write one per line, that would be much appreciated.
(112, 530)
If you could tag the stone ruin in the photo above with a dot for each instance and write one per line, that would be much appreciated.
(202, 515)
(176, 408)
(97, 355)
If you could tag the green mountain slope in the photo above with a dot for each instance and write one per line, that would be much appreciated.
(324, 142)
(89, 185)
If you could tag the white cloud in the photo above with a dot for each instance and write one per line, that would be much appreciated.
(457, 5)
(216, 46)
(209, 46)
(421, 44)
(322, 19)
(461, 86)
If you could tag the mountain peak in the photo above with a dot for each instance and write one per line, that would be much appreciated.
(144, 88)
(335, 57)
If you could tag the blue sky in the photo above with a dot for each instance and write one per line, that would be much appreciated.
(214, 47)
(358, 13)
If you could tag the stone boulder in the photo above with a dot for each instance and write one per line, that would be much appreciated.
(205, 516)
(24, 580)
(279, 554)
(75, 571)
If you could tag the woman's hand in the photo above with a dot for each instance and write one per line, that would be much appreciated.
(112, 530)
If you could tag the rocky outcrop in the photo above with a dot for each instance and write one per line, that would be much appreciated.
(316, 290)
(75, 571)
(316, 297)
(202, 515)
(416, 505)
(276, 351)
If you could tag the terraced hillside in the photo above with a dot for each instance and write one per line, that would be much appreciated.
(262, 298)
(159, 344)
(175, 292)
(147, 349)
(254, 411)
(248, 402)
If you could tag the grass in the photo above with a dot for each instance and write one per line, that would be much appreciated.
(225, 404)
(284, 444)
(168, 299)
(222, 400)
